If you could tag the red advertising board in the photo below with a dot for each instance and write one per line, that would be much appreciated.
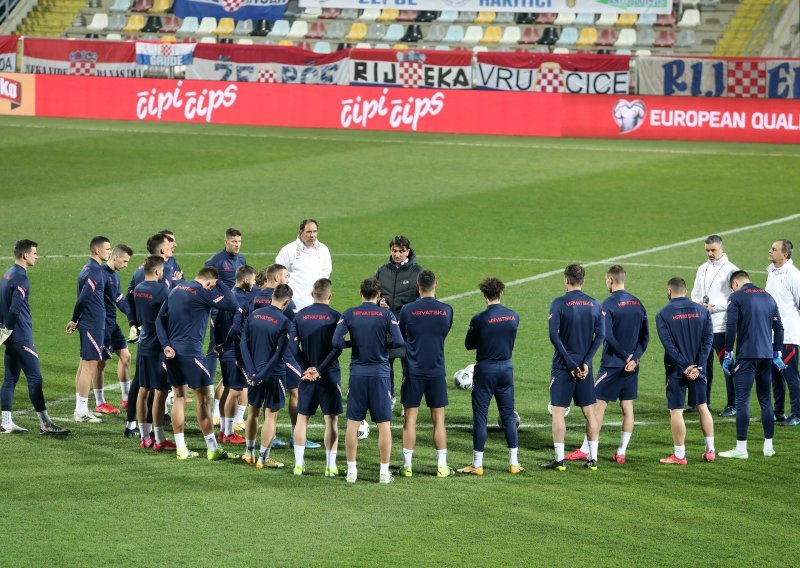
(420, 110)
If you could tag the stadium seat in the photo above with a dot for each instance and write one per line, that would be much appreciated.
(561, 51)
(447, 16)
(299, 29)
(530, 36)
(207, 26)
(626, 20)
(643, 52)
(135, 23)
(152, 26)
(690, 19)
(286, 43)
(585, 19)
(466, 17)
(709, 3)
(407, 16)
(358, 31)
(549, 36)
(480, 49)
(524, 18)
(244, 41)
(546, 19)
(645, 37)
(426, 16)
(382, 46)
(394, 33)
(292, 10)
(435, 33)
(504, 18)
(364, 45)
(606, 38)
(370, 15)
(622, 52)
(335, 31)
(116, 22)
(188, 26)
(626, 38)
(388, 15)
(485, 17)
(261, 28)
(646, 20)
(689, 4)
(322, 47)
(587, 37)
(511, 35)
(455, 34)
(279, 29)
(208, 39)
(666, 38)
(413, 34)
(565, 19)
(685, 38)
(311, 13)
(442, 48)
(316, 30)
(375, 32)
(142, 5)
(113, 37)
(99, 22)
(492, 35)
(400, 47)
(120, 6)
(225, 27)
(243, 27)
(665, 20)
(472, 35)
(348, 14)
(160, 6)
(304, 45)
(568, 37)
(330, 13)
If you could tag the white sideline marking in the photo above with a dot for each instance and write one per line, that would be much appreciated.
(407, 140)
(630, 255)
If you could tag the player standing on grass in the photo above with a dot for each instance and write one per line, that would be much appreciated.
(89, 317)
(492, 334)
(181, 328)
(577, 330)
(425, 324)
(150, 365)
(369, 326)
(627, 336)
(264, 342)
(114, 341)
(16, 331)
(311, 341)
(754, 323)
(685, 330)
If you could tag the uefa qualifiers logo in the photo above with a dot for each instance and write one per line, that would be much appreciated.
(629, 115)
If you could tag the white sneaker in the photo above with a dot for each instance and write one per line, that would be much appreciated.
(735, 454)
(88, 417)
(386, 478)
(13, 429)
(769, 452)
(352, 476)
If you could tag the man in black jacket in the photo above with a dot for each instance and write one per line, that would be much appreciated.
(398, 279)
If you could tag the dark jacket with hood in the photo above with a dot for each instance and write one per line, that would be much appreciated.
(399, 283)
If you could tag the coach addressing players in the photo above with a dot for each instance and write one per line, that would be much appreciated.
(307, 260)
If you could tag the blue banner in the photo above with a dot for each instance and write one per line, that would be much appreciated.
(236, 9)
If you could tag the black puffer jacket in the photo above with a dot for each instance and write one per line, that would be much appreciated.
(399, 283)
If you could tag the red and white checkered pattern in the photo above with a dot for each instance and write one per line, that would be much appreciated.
(82, 68)
(166, 49)
(267, 75)
(410, 74)
(232, 5)
(747, 79)
(549, 80)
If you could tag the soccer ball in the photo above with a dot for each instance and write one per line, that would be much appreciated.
(516, 419)
(550, 410)
(463, 378)
(363, 430)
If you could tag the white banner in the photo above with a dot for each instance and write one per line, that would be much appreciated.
(164, 54)
(579, 6)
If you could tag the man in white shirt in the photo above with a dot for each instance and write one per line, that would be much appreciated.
(307, 260)
(783, 284)
(712, 288)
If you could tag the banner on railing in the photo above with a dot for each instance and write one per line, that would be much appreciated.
(8, 54)
(547, 73)
(236, 9)
(581, 6)
(89, 58)
(411, 69)
(267, 64)
(713, 77)
(166, 54)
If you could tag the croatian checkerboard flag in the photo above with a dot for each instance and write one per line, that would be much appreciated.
(236, 9)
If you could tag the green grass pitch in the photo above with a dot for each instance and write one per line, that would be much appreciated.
(520, 209)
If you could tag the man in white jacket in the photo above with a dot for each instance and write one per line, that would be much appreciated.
(783, 284)
(307, 260)
(711, 288)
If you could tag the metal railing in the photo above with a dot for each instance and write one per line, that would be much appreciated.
(5, 8)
